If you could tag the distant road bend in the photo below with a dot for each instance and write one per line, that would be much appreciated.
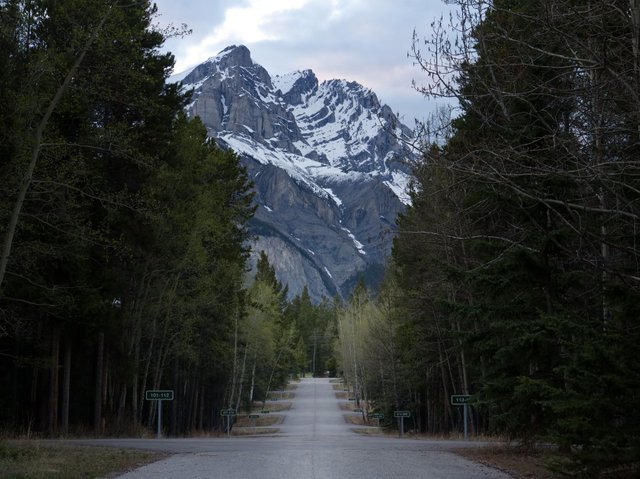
(314, 442)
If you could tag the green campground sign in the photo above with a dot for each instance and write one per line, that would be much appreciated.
(159, 395)
(460, 399)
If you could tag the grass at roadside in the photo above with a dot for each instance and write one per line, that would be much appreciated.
(262, 421)
(31, 460)
(249, 431)
(521, 463)
(518, 462)
(271, 406)
(282, 395)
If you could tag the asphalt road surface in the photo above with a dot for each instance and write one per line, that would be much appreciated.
(314, 442)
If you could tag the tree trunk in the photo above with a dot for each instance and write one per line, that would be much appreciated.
(173, 427)
(201, 410)
(66, 387)
(135, 412)
(97, 405)
(447, 418)
(273, 371)
(122, 404)
(253, 384)
(145, 376)
(194, 406)
(313, 362)
(244, 363)
(235, 361)
(54, 382)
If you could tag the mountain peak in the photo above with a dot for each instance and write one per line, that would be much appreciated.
(323, 159)
(234, 55)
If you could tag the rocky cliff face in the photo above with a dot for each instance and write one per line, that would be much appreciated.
(328, 168)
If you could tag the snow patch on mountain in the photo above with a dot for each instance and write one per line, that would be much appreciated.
(359, 246)
(337, 123)
(333, 196)
(285, 83)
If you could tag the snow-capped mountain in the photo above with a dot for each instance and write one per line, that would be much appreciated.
(327, 160)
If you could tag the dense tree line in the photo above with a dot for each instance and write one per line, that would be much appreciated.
(302, 332)
(516, 269)
(124, 257)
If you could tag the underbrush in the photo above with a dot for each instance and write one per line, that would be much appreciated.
(32, 460)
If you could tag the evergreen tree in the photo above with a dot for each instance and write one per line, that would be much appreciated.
(517, 255)
(125, 270)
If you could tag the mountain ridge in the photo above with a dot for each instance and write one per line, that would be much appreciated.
(330, 174)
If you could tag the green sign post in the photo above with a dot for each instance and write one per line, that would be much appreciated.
(377, 416)
(159, 396)
(401, 415)
(228, 413)
(462, 400)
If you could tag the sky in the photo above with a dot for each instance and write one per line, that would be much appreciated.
(366, 41)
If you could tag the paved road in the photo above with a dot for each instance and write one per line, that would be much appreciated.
(314, 442)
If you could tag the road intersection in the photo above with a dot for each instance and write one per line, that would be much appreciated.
(313, 442)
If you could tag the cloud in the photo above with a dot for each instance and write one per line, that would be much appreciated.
(361, 40)
(248, 24)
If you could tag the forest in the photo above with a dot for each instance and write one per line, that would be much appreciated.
(515, 275)
(124, 238)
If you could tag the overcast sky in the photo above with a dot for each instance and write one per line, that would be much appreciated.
(358, 40)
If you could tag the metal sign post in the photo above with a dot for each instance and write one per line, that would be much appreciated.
(228, 413)
(466, 409)
(462, 400)
(253, 418)
(401, 415)
(159, 396)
